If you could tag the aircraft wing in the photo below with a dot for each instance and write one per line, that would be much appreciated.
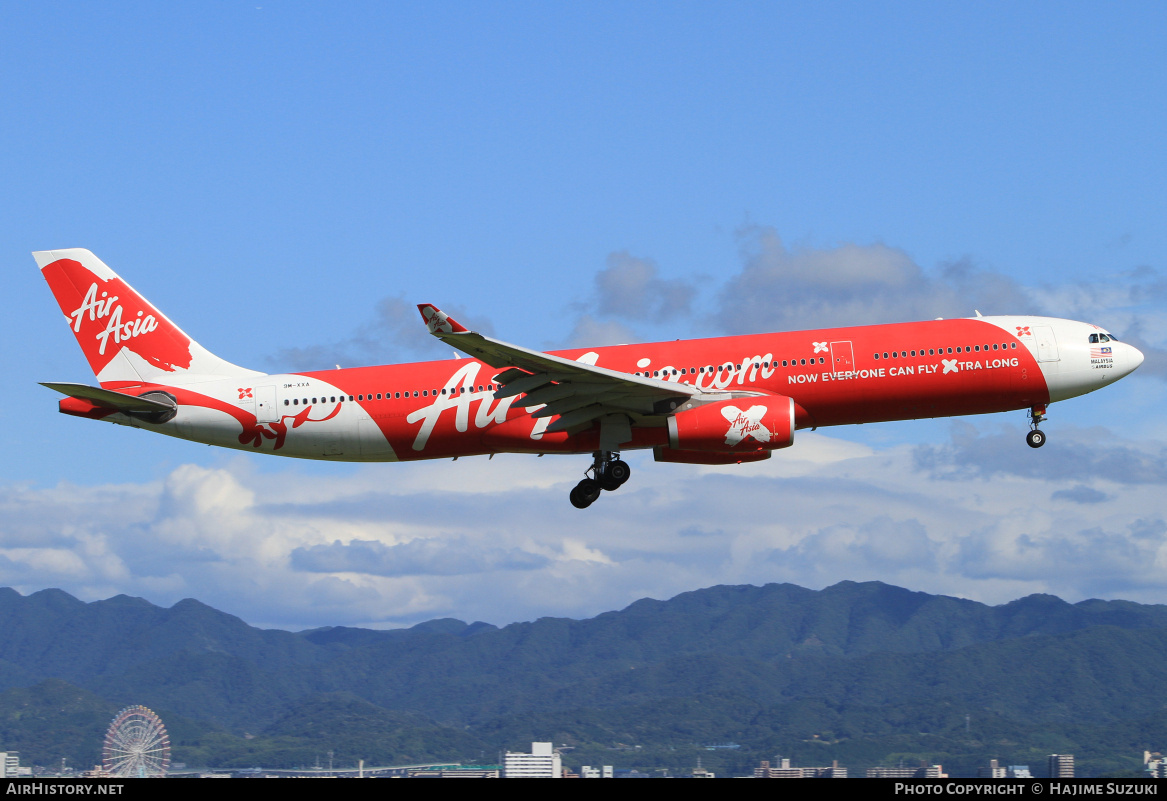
(576, 391)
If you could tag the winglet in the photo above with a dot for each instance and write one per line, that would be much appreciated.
(439, 322)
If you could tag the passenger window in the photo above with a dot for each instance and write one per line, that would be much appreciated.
(378, 396)
(931, 352)
(994, 346)
(885, 354)
(285, 401)
(783, 362)
(977, 348)
(913, 353)
(655, 373)
(425, 393)
(877, 356)
(295, 401)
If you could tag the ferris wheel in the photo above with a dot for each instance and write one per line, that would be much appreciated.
(136, 745)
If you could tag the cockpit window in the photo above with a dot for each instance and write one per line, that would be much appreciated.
(1094, 339)
(1102, 338)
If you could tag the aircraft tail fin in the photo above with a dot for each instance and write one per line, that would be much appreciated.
(124, 337)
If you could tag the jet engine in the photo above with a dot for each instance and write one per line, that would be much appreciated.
(740, 425)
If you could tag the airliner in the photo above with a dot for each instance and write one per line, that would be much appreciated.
(716, 401)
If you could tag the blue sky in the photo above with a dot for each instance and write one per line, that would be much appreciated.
(285, 180)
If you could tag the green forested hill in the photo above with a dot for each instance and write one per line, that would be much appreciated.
(862, 672)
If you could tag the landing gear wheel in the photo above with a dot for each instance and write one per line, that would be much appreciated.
(618, 471)
(584, 493)
(1035, 438)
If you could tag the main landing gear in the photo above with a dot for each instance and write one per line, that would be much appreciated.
(608, 473)
(1035, 438)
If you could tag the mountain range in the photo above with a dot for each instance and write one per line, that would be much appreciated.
(865, 673)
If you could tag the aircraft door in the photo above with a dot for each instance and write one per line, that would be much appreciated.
(265, 405)
(842, 357)
(1047, 345)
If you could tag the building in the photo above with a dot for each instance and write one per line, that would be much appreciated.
(922, 772)
(1061, 766)
(1018, 772)
(1155, 764)
(993, 771)
(10, 765)
(783, 770)
(542, 763)
(602, 772)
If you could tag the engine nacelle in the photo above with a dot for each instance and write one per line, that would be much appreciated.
(735, 426)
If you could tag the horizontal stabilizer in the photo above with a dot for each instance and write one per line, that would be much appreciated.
(110, 399)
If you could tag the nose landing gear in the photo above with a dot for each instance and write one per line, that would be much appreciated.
(609, 473)
(1036, 438)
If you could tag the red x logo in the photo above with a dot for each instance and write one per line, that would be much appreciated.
(244, 393)
(1023, 331)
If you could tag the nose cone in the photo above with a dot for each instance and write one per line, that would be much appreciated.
(1134, 358)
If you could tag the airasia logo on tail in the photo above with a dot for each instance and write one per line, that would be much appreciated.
(106, 315)
(99, 308)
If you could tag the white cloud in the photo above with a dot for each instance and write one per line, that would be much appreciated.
(981, 516)
(420, 557)
(395, 334)
(789, 288)
(632, 288)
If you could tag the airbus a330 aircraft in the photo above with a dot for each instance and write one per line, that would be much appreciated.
(704, 401)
